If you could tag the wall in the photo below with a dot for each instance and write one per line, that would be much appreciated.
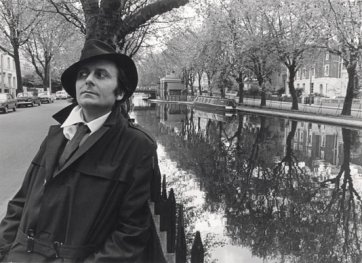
(8, 82)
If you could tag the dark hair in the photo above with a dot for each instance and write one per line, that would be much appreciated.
(123, 87)
(123, 83)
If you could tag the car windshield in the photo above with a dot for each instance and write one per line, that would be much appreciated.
(2, 97)
(25, 94)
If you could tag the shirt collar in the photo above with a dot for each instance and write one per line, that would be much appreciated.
(76, 116)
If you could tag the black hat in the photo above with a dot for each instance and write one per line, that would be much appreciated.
(96, 49)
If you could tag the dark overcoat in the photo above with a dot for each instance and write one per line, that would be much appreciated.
(94, 208)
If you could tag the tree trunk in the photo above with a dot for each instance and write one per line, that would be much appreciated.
(292, 91)
(222, 83)
(347, 105)
(240, 80)
(19, 80)
(288, 143)
(222, 91)
(263, 96)
(191, 81)
(209, 84)
(46, 75)
(262, 93)
(199, 77)
(105, 22)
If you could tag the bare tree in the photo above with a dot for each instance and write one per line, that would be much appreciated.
(340, 25)
(17, 24)
(45, 42)
(291, 34)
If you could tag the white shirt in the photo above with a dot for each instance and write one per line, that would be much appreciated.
(76, 116)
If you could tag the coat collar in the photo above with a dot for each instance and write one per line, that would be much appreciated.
(56, 138)
(63, 114)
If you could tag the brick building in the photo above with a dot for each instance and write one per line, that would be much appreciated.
(325, 75)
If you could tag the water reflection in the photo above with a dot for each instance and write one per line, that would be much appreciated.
(280, 190)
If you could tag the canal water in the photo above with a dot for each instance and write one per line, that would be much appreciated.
(261, 189)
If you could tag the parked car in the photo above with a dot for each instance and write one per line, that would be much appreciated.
(53, 96)
(28, 99)
(7, 102)
(45, 98)
(61, 95)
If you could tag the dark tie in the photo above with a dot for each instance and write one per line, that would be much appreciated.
(73, 144)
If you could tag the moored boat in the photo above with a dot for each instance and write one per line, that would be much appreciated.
(223, 116)
(215, 103)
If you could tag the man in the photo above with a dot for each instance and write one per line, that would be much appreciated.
(85, 195)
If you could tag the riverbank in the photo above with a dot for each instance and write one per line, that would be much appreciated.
(339, 120)
(271, 109)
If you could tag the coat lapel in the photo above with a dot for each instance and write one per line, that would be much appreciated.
(91, 140)
(115, 119)
(54, 145)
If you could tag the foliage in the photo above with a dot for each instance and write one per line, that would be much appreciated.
(340, 25)
(123, 24)
(45, 42)
(17, 22)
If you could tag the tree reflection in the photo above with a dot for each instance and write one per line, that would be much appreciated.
(344, 207)
(272, 203)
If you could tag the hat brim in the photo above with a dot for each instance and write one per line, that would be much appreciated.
(69, 76)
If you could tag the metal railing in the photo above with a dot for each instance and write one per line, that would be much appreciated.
(319, 107)
(171, 221)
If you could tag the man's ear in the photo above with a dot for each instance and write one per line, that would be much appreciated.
(119, 96)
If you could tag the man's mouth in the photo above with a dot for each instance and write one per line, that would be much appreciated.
(88, 92)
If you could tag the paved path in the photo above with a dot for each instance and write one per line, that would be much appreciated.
(21, 134)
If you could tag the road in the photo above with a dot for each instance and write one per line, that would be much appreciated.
(21, 134)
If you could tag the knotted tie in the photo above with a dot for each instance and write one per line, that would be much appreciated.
(73, 144)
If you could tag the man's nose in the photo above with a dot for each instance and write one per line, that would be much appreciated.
(89, 79)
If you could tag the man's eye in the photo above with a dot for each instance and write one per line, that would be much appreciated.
(82, 74)
(101, 74)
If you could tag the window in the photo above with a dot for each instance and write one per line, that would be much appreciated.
(326, 70)
(9, 81)
(301, 134)
(321, 89)
(312, 71)
(323, 141)
(8, 63)
(327, 56)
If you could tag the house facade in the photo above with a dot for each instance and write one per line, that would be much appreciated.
(325, 76)
(8, 83)
(170, 86)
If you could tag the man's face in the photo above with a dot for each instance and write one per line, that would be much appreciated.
(96, 84)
